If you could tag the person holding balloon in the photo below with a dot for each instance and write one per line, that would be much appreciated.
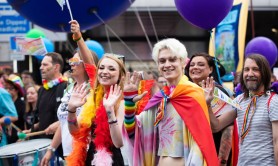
(102, 114)
(174, 127)
(258, 118)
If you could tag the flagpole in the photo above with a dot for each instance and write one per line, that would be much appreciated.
(68, 5)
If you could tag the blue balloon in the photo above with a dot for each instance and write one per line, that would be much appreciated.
(48, 45)
(49, 14)
(96, 47)
(39, 57)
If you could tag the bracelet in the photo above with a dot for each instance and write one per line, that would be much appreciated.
(74, 121)
(76, 39)
(51, 148)
(73, 112)
(112, 122)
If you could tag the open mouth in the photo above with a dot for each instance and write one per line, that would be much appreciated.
(105, 77)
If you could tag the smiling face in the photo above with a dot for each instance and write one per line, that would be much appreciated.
(252, 76)
(199, 69)
(170, 66)
(108, 72)
(77, 66)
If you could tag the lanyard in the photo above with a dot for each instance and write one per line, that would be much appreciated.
(245, 129)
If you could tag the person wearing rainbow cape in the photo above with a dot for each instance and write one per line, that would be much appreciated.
(174, 127)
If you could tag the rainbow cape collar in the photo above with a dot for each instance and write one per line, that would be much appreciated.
(189, 101)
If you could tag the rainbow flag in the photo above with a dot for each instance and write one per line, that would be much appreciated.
(189, 101)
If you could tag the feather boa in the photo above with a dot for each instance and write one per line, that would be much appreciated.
(102, 158)
(93, 110)
(102, 141)
(81, 138)
(102, 132)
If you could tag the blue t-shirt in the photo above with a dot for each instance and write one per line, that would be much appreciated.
(7, 108)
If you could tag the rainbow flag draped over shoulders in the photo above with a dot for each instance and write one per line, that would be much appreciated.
(188, 100)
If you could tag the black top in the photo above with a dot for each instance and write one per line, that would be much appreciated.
(20, 109)
(47, 106)
(30, 118)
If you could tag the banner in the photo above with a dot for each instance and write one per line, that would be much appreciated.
(222, 103)
(29, 46)
(228, 39)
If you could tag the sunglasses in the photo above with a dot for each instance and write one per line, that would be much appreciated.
(9, 88)
(75, 61)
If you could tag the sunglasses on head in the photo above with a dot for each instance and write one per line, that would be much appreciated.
(75, 61)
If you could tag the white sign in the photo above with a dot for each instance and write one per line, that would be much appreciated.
(17, 56)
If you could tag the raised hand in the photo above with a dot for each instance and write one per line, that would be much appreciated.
(131, 85)
(114, 94)
(75, 29)
(131, 82)
(208, 86)
(78, 97)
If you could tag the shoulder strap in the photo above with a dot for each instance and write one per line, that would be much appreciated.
(269, 99)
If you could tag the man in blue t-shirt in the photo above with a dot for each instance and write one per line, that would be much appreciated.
(7, 110)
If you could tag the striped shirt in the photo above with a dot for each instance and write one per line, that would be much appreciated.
(257, 147)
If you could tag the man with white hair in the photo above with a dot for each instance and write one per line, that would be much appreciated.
(174, 129)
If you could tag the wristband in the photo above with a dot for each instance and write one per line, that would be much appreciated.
(112, 122)
(76, 39)
(73, 121)
(73, 112)
(51, 148)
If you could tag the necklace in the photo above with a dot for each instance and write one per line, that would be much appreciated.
(50, 84)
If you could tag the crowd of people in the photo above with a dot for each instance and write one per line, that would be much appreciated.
(108, 116)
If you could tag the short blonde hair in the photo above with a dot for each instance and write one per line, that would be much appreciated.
(174, 45)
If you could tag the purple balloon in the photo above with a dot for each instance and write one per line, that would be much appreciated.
(205, 14)
(263, 46)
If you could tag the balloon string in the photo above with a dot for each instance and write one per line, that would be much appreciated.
(108, 39)
(117, 36)
(68, 5)
(142, 26)
(151, 18)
